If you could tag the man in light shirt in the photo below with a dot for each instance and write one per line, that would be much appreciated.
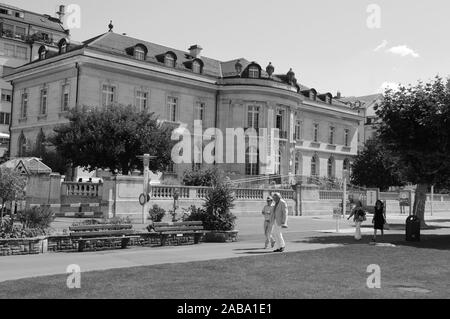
(279, 219)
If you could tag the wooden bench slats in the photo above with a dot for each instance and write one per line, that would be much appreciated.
(181, 232)
(193, 223)
(106, 238)
(162, 229)
(102, 233)
(100, 226)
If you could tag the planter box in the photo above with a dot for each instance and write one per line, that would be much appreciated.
(23, 246)
(216, 236)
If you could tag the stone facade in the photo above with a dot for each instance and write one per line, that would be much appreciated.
(316, 131)
(17, 28)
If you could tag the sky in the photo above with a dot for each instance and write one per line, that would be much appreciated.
(356, 47)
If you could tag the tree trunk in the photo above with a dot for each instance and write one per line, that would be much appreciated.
(419, 203)
(1, 211)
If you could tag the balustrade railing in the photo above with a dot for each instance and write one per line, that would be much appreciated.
(81, 189)
(328, 195)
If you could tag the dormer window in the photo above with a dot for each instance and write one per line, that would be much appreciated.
(312, 95)
(196, 67)
(169, 60)
(328, 99)
(139, 53)
(63, 44)
(42, 52)
(253, 72)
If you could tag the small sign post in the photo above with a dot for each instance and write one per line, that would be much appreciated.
(337, 215)
(405, 200)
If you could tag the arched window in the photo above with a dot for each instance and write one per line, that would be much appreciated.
(314, 164)
(196, 67)
(330, 168)
(139, 53)
(169, 60)
(312, 94)
(22, 145)
(251, 161)
(253, 72)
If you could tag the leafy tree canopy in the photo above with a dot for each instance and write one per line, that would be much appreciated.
(415, 127)
(113, 138)
(376, 167)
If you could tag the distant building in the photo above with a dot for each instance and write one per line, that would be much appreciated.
(365, 105)
(317, 133)
(22, 33)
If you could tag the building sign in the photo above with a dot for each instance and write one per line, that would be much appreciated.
(371, 197)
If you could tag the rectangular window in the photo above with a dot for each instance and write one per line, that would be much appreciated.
(20, 33)
(24, 105)
(172, 108)
(331, 136)
(43, 109)
(7, 118)
(9, 49)
(21, 52)
(2, 118)
(65, 97)
(253, 116)
(316, 133)
(108, 95)
(6, 96)
(141, 100)
(8, 30)
(298, 130)
(346, 137)
(279, 120)
(199, 112)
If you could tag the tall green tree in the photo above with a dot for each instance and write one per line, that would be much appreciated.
(12, 186)
(113, 138)
(415, 127)
(376, 167)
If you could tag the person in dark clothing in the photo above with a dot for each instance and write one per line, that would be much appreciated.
(379, 219)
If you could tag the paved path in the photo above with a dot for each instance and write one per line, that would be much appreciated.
(250, 243)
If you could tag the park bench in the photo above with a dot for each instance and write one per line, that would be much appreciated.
(100, 233)
(178, 229)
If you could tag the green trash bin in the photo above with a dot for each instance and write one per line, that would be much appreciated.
(413, 228)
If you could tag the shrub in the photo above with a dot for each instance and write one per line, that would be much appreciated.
(8, 230)
(36, 217)
(156, 213)
(114, 221)
(202, 177)
(216, 211)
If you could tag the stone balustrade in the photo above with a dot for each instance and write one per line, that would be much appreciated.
(80, 189)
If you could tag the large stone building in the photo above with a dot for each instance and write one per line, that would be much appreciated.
(22, 34)
(318, 134)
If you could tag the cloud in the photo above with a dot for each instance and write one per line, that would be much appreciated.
(388, 85)
(381, 46)
(403, 50)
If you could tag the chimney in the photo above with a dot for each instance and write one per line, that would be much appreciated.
(338, 95)
(61, 12)
(195, 50)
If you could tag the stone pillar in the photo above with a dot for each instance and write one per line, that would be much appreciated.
(298, 199)
(108, 197)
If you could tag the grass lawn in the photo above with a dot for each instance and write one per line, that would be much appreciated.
(326, 273)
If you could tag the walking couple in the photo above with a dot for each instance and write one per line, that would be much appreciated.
(275, 219)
